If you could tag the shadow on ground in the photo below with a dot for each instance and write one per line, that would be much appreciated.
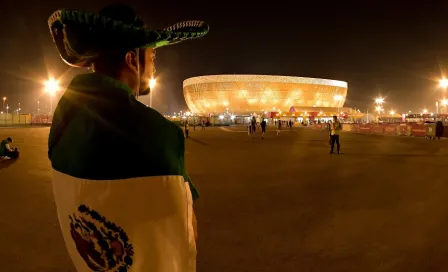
(6, 163)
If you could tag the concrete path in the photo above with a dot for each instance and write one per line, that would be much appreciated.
(280, 204)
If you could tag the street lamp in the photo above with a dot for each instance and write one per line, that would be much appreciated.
(51, 87)
(443, 83)
(379, 100)
(152, 85)
(338, 98)
(4, 100)
(392, 112)
(425, 111)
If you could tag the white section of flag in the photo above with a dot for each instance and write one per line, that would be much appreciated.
(155, 213)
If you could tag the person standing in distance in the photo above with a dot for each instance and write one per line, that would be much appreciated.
(263, 128)
(187, 128)
(335, 127)
(279, 127)
(119, 210)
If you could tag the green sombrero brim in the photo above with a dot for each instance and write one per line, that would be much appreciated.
(81, 36)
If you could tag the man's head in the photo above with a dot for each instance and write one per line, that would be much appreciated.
(9, 139)
(134, 67)
(116, 42)
(335, 118)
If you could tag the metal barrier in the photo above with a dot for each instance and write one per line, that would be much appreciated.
(415, 130)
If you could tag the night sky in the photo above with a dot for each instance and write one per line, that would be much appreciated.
(395, 49)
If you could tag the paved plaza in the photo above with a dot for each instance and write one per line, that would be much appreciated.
(281, 204)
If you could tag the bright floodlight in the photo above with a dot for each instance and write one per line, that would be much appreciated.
(4, 98)
(379, 100)
(51, 86)
(378, 109)
(392, 112)
(443, 83)
(221, 117)
(444, 102)
(425, 111)
(152, 83)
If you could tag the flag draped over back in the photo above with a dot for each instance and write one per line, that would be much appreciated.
(123, 197)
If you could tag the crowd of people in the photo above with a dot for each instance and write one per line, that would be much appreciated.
(334, 127)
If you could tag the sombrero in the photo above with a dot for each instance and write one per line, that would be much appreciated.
(82, 36)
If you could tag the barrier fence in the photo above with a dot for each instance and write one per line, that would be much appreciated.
(416, 130)
(11, 119)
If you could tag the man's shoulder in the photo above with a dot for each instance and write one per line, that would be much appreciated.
(154, 120)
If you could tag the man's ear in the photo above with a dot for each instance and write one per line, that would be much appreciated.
(132, 61)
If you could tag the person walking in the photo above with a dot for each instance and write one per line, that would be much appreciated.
(336, 127)
(187, 128)
(263, 128)
(279, 127)
(128, 209)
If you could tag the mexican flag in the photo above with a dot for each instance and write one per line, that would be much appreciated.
(123, 197)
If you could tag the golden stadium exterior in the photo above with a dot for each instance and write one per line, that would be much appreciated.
(243, 94)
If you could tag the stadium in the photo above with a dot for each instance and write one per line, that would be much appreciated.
(242, 95)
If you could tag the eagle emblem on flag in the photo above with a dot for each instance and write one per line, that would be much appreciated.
(103, 245)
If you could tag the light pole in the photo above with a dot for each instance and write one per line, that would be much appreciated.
(51, 87)
(444, 103)
(392, 113)
(379, 103)
(6, 119)
(338, 98)
(4, 100)
(152, 85)
(38, 106)
(443, 83)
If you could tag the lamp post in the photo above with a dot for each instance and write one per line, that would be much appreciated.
(152, 85)
(379, 103)
(338, 98)
(4, 100)
(392, 113)
(443, 83)
(6, 119)
(51, 87)
(444, 104)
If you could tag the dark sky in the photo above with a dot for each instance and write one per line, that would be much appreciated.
(394, 48)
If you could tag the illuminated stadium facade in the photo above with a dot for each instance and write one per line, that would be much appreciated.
(246, 94)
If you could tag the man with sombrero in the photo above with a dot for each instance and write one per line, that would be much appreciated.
(123, 197)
